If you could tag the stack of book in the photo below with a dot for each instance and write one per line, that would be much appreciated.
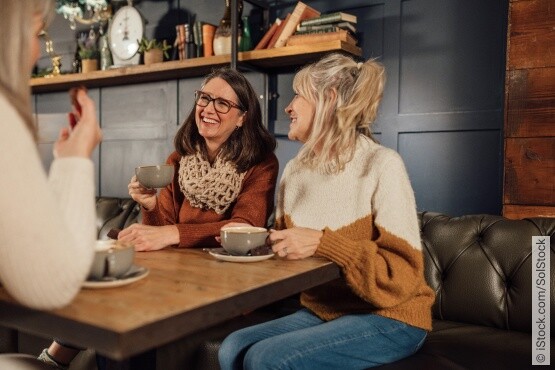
(184, 41)
(327, 27)
(282, 29)
(194, 41)
(305, 25)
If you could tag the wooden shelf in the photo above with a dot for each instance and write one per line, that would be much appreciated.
(269, 60)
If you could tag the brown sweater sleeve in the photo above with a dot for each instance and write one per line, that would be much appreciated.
(385, 271)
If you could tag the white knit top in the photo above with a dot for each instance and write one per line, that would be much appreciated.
(47, 224)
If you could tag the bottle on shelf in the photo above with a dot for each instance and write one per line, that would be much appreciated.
(246, 40)
(76, 62)
(105, 54)
(222, 36)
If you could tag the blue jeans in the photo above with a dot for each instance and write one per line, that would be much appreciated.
(303, 341)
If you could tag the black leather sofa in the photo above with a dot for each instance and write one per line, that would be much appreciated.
(481, 269)
(479, 265)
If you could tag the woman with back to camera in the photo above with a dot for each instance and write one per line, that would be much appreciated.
(47, 227)
(379, 311)
(225, 171)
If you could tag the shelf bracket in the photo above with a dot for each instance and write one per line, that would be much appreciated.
(234, 33)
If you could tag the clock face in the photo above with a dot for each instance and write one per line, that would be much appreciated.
(125, 32)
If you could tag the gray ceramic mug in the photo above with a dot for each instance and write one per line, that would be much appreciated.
(239, 240)
(111, 260)
(152, 177)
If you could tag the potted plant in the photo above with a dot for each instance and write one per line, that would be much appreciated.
(153, 50)
(88, 53)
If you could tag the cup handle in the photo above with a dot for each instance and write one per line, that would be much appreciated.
(109, 265)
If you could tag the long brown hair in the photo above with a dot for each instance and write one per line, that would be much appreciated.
(247, 146)
(15, 38)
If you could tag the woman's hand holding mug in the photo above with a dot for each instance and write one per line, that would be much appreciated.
(144, 196)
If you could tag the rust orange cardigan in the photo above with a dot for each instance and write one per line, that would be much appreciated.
(199, 227)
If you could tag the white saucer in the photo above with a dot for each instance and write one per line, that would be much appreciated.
(134, 274)
(222, 255)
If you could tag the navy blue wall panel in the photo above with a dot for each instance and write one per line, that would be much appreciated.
(450, 169)
(443, 104)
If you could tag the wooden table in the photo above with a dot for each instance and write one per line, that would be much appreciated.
(185, 291)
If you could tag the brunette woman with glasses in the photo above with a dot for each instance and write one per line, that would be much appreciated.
(225, 171)
(225, 175)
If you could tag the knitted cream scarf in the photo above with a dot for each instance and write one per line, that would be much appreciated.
(208, 186)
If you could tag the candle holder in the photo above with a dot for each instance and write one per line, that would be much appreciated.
(56, 59)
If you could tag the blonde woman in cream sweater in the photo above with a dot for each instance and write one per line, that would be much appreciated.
(48, 221)
(346, 198)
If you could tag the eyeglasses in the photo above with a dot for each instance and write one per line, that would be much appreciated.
(220, 104)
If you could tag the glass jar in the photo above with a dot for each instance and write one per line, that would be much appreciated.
(222, 36)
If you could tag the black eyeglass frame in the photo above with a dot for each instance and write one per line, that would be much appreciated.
(201, 94)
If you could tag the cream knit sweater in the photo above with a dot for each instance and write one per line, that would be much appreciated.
(368, 215)
(47, 224)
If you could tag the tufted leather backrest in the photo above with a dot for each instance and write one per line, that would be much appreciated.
(480, 267)
(115, 213)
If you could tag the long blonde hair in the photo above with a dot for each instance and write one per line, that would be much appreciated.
(15, 37)
(346, 96)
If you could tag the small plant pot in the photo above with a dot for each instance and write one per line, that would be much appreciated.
(89, 65)
(153, 56)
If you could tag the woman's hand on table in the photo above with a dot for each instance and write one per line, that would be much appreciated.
(144, 196)
(149, 238)
(85, 136)
(295, 243)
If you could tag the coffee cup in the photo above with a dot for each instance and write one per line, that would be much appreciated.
(239, 240)
(111, 260)
(157, 176)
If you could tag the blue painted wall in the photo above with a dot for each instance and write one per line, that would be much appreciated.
(442, 109)
(443, 105)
